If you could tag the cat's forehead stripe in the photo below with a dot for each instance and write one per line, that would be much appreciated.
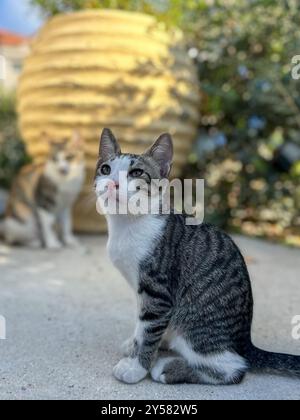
(129, 158)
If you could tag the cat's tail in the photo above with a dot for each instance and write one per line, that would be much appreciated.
(275, 362)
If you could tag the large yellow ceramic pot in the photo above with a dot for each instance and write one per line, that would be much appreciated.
(95, 69)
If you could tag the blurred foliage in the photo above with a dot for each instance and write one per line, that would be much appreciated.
(172, 12)
(251, 113)
(12, 150)
(250, 104)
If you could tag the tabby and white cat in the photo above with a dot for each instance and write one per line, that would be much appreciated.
(192, 285)
(42, 198)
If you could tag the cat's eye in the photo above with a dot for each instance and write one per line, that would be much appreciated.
(105, 170)
(136, 173)
(69, 158)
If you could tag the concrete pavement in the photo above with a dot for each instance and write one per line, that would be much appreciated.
(68, 312)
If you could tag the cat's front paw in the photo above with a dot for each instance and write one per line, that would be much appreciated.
(54, 245)
(71, 241)
(130, 371)
(127, 347)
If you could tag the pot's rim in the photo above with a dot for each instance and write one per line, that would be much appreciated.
(107, 14)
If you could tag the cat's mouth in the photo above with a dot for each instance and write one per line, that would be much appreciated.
(64, 171)
(110, 191)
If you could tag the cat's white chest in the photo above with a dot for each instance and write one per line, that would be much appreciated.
(131, 240)
(69, 190)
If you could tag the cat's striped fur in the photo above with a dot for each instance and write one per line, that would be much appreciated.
(193, 292)
(42, 197)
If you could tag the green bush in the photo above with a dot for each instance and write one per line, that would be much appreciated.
(172, 12)
(251, 109)
(12, 150)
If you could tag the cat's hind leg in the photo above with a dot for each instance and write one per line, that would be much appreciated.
(223, 368)
(15, 232)
(174, 370)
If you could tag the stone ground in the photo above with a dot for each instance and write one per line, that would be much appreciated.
(68, 312)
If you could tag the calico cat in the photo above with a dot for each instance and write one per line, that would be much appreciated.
(42, 198)
(192, 285)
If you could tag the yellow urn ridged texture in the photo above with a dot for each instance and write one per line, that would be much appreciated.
(93, 69)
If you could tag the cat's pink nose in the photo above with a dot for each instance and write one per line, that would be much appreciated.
(112, 185)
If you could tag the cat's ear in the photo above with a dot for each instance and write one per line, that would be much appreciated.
(52, 144)
(109, 147)
(162, 152)
(77, 140)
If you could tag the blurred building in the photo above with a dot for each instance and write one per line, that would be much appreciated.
(13, 49)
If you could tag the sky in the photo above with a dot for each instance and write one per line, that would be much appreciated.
(18, 16)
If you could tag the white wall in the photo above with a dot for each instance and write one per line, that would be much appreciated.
(11, 62)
